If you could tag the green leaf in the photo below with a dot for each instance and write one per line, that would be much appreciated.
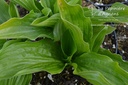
(98, 39)
(27, 4)
(97, 29)
(74, 32)
(4, 15)
(64, 35)
(13, 11)
(50, 4)
(18, 80)
(94, 77)
(47, 3)
(75, 15)
(114, 57)
(1, 43)
(99, 17)
(99, 33)
(21, 28)
(29, 57)
(57, 32)
(100, 70)
(110, 29)
(44, 21)
(56, 8)
(46, 11)
(68, 44)
(74, 2)
(119, 11)
(76, 35)
(71, 39)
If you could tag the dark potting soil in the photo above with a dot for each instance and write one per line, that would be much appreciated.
(117, 42)
(64, 78)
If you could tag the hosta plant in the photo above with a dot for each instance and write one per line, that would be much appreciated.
(55, 34)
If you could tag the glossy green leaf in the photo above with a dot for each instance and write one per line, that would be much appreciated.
(44, 21)
(75, 15)
(50, 4)
(77, 37)
(27, 4)
(98, 39)
(10, 42)
(119, 11)
(56, 8)
(68, 44)
(114, 57)
(94, 77)
(47, 3)
(97, 29)
(4, 15)
(99, 33)
(46, 11)
(70, 37)
(98, 17)
(100, 70)
(73, 2)
(2, 42)
(13, 11)
(75, 32)
(21, 28)
(29, 57)
(57, 32)
(18, 80)
(39, 20)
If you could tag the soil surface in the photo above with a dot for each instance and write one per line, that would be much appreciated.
(64, 78)
(117, 42)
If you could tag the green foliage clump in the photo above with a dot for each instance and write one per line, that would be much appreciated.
(54, 34)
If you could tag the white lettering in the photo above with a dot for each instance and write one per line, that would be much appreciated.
(116, 8)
